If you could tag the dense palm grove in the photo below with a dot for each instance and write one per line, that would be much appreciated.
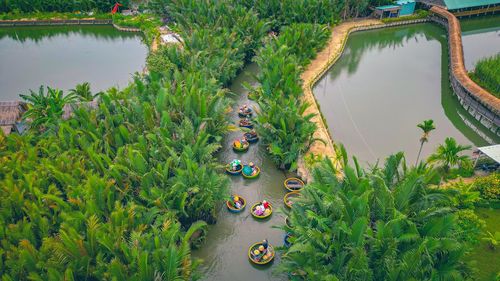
(27, 6)
(117, 191)
(384, 223)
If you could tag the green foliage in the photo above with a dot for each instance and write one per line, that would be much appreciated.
(58, 5)
(285, 12)
(448, 155)
(382, 224)
(281, 121)
(470, 227)
(46, 108)
(426, 126)
(147, 23)
(37, 15)
(419, 14)
(488, 187)
(487, 74)
(104, 195)
(83, 92)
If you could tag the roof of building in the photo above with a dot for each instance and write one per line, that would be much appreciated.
(402, 2)
(10, 112)
(171, 38)
(388, 7)
(492, 151)
(461, 4)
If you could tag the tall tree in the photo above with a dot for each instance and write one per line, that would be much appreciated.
(382, 224)
(448, 154)
(427, 126)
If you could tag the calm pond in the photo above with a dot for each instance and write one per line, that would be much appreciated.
(389, 80)
(63, 56)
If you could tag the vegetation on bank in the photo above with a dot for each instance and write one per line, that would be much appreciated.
(386, 222)
(281, 121)
(23, 6)
(419, 14)
(147, 23)
(52, 15)
(117, 192)
(487, 74)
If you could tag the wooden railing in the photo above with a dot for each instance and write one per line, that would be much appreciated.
(481, 104)
(54, 22)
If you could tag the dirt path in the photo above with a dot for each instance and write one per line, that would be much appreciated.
(313, 72)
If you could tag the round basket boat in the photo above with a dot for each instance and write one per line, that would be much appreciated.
(294, 184)
(243, 148)
(251, 138)
(252, 176)
(232, 209)
(289, 196)
(245, 114)
(286, 240)
(232, 172)
(245, 124)
(259, 259)
(287, 222)
(263, 216)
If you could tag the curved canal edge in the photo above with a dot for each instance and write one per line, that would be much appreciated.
(329, 56)
(90, 21)
(324, 60)
(480, 103)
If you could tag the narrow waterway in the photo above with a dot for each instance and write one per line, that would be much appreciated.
(63, 56)
(224, 250)
(389, 80)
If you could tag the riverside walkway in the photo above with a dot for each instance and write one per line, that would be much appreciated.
(480, 103)
(324, 59)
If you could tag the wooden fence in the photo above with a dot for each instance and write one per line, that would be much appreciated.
(481, 104)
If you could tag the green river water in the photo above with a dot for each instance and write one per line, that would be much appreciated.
(63, 56)
(393, 78)
(387, 81)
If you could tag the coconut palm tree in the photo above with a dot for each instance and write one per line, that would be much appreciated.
(427, 126)
(46, 108)
(363, 227)
(83, 92)
(448, 155)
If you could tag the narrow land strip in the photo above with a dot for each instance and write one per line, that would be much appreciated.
(312, 73)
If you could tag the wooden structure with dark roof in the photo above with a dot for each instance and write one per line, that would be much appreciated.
(484, 106)
(10, 114)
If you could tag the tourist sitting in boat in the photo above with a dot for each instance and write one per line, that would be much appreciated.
(250, 169)
(251, 136)
(245, 111)
(235, 165)
(246, 123)
(262, 209)
(236, 202)
(261, 252)
(241, 144)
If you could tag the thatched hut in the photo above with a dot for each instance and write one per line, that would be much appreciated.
(11, 113)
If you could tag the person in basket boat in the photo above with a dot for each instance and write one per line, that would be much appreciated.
(245, 122)
(252, 134)
(235, 165)
(236, 202)
(245, 110)
(239, 144)
(250, 169)
(262, 253)
(262, 209)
